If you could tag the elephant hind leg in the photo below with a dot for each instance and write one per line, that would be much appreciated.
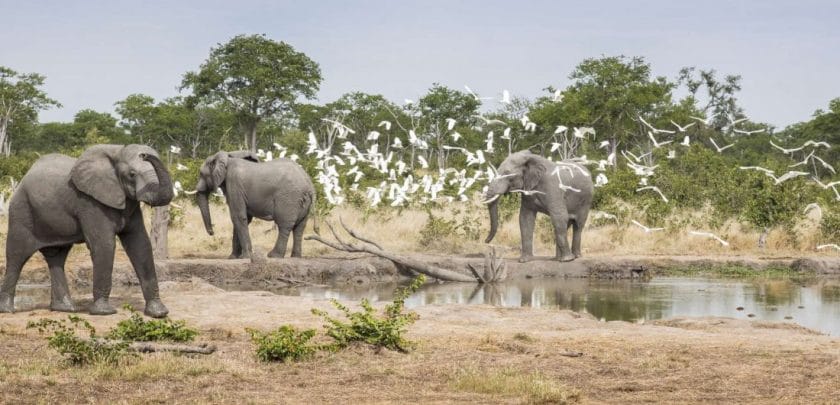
(297, 241)
(561, 229)
(283, 231)
(577, 233)
(18, 251)
(60, 299)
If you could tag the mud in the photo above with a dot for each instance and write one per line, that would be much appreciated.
(364, 270)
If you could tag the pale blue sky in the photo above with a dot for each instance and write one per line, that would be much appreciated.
(97, 52)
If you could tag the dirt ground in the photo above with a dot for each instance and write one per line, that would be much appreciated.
(464, 354)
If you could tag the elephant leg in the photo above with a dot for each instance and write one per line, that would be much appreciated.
(236, 252)
(561, 229)
(240, 229)
(577, 232)
(18, 252)
(283, 231)
(138, 248)
(297, 241)
(527, 219)
(101, 240)
(59, 291)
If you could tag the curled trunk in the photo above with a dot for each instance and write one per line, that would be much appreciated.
(493, 208)
(204, 207)
(160, 194)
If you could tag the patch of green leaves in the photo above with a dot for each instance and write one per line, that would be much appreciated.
(285, 344)
(381, 331)
(138, 329)
(79, 350)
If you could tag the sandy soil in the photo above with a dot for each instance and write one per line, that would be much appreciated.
(464, 353)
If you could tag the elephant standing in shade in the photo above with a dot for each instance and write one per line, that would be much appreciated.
(278, 190)
(93, 199)
(563, 191)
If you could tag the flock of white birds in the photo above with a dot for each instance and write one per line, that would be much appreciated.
(339, 158)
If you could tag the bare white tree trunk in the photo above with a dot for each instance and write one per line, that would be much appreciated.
(160, 232)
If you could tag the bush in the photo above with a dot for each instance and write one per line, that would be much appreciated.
(366, 326)
(284, 344)
(78, 350)
(830, 224)
(137, 329)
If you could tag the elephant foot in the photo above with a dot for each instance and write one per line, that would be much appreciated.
(156, 309)
(276, 255)
(526, 259)
(102, 307)
(566, 258)
(7, 303)
(65, 305)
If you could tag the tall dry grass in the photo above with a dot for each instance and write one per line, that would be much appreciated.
(400, 231)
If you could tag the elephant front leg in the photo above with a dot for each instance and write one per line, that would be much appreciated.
(102, 254)
(561, 241)
(138, 248)
(236, 247)
(527, 219)
(240, 229)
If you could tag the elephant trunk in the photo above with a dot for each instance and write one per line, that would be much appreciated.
(493, 207)
(161, 193)
(204, 206)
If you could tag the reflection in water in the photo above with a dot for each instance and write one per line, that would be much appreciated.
(631, 300)
(816, 305)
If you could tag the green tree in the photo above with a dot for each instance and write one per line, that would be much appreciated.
(21, 97)
(254, 77)
(433, 110)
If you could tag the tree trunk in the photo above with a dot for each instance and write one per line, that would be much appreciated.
(160, 232)
(4, 125)
(252, 136)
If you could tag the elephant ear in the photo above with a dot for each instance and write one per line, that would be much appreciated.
(245, 154)
(96, 175)
(532, 174)
(219, 171)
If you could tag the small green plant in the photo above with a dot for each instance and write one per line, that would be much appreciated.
(437, 229)
(386, 331)
(79, 350)
(137, 329)
(284, 344)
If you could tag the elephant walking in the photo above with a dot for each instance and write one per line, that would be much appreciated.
(278, 190)
(93, 199)
(563, 191)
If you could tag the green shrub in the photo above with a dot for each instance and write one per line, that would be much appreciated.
(137, 329)
(386, 331)
(437, 229)
(830, 224)
(284, 344)
(78, 350)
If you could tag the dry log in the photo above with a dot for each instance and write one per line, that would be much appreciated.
(494, 268)
(149, 347)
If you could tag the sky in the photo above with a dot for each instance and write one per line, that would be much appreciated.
(95, 53)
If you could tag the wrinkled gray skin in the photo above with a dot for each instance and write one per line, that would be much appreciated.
(527, 171)
(278, 190)
(93, 199)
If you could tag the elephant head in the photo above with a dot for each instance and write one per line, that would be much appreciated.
(520, 171)
(113, 173)
(211, 176)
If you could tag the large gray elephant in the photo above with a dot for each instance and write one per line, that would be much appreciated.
(93, 199)
(563, 191)
(278, 190)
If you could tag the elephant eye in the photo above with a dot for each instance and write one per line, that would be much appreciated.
(132, 173)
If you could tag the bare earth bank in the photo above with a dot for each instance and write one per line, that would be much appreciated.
(464, 353)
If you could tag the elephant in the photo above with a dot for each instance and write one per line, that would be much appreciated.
(563, 191)
(63, 201)
(278, 190)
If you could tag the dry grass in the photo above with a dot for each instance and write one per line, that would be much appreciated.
(400, 231)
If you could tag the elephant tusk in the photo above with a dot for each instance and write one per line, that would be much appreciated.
(488, 201)
(527, 192)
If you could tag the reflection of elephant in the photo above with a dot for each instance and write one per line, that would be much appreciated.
(92, 199)
(563, 191)
(278, 190)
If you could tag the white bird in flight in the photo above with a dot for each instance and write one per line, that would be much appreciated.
(719, 148)
(644, 228)
(756, 131)
(655, 130)
(710, 235)
(830, 245)
(386, 124)
(682, 128)
(817, 144)
(705, 121)
(759, 168)
(505, 97)
(685, 141)
(786, 151)
(655, 143)
(450, 123)
(489, 121)
(786, 176)
(654, 188)
(475, 96)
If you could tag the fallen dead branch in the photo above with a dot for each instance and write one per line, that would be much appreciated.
(494, 268)
(148, 347)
